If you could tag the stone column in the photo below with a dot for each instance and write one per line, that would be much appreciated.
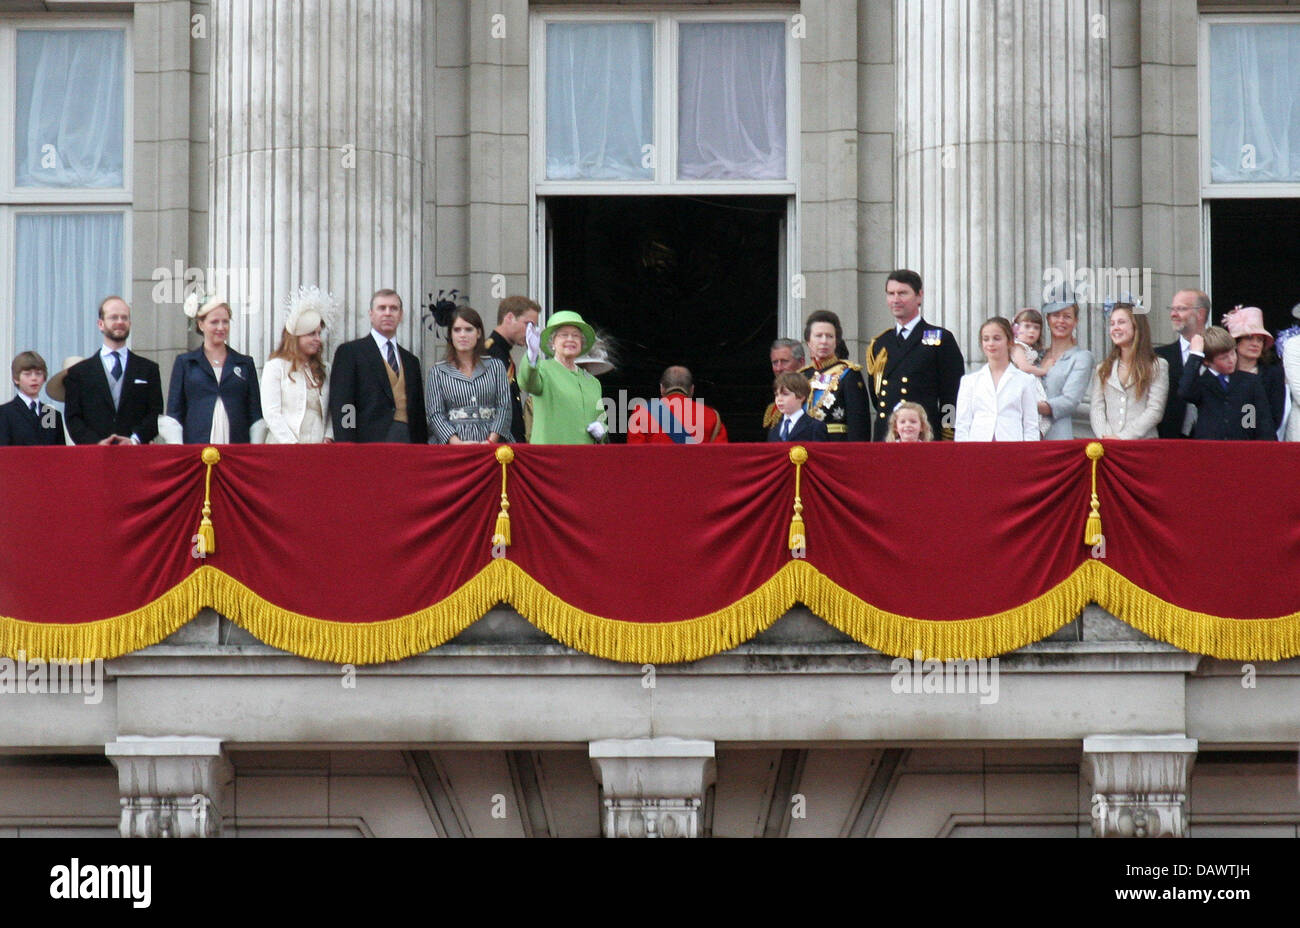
(1003, 152)
(316, 160)
(171, 787)
(652, 787)
(1140, 784)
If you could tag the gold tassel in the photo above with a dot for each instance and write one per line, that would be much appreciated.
(798, 539)
(207, 536)
(1092, 530)
(501, 536)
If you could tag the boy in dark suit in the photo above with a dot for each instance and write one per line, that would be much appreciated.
(1230, 405)
(26, 420)
(790, 390)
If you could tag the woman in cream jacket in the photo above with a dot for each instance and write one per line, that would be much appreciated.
(295, 382)
(1131, 385)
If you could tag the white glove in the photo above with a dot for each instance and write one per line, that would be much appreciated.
(596, 430)
(533, 339)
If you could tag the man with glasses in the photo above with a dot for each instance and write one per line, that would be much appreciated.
(113, 397)
(1190, 314)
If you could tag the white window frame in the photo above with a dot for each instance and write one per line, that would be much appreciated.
(1227, 190)
(664, 112)
(15, 201)
(663, 107)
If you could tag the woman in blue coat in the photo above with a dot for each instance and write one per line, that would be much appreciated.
(214, 393)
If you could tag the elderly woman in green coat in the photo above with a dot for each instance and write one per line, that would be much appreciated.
(566, 407)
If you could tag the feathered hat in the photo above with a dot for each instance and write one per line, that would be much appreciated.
(310, 308)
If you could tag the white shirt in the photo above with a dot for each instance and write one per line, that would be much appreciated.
(28, 400)
(905, 328)
(789, 421)
(106, 355)
(382, 341)
(1006, 412)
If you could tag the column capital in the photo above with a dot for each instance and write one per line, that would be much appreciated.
(652, 787)
(1140, 784)
(171, 786)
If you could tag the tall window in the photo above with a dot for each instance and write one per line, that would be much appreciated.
(1250, 105)
(666, 102)
(65, 179)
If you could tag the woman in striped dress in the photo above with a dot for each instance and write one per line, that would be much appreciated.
(468, 394)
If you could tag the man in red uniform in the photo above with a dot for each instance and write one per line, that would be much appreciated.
(676, 418)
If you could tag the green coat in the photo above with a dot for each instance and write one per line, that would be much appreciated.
(565, 403)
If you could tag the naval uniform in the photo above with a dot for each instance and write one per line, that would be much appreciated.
(499, 348)
(838, 399)
(926, 368)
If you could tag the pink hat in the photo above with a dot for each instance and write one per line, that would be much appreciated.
(1247, 320)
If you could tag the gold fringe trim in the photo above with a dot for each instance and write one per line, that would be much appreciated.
(120, 634)
(654, 642)
(957, 639)
(651, 642)
(1198, 632)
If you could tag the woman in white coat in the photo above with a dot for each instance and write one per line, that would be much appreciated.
(295, 381)
(999, 402)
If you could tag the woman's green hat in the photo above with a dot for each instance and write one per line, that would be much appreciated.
(561, 319)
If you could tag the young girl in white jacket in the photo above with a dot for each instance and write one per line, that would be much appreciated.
(999, 402)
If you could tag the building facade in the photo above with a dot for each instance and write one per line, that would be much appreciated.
(695, 178)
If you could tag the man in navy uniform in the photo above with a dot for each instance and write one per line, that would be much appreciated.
(915, 360)
(513, 315)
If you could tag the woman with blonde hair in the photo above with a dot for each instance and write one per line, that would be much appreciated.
(295, 381)
(213, 394)
(1130, 387)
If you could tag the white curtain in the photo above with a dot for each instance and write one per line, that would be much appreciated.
(1255, 101)
(599, 101)
(66, 264)
(731, 101)
(69, 119)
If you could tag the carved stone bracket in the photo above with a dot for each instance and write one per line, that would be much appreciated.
(652, 787)
(1140, 784)
(171, 787)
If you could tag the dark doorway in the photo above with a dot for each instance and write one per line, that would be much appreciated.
(677, 280)
(1255, 252)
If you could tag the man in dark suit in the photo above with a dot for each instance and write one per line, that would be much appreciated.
(1230, 405)
(115, 396)
(914, 360)
(1190, 314)
(513, 316)
(376, 386)
(25, 420)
